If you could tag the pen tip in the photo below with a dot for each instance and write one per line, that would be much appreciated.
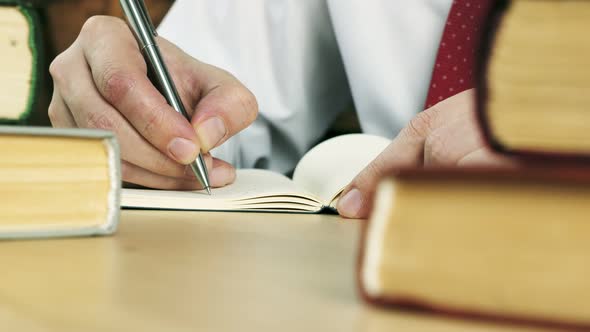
(208, 190)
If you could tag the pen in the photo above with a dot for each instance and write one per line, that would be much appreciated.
(145, 33)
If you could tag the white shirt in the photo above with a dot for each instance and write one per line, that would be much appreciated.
(308, 60)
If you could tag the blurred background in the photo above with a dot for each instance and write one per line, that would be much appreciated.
(62, 20)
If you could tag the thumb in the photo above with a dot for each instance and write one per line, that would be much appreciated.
(406, 150)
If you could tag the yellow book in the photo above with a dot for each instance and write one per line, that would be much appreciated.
(506, 245)
(58, 182)
(535, 90)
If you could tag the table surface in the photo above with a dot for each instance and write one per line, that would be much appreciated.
(201, 271)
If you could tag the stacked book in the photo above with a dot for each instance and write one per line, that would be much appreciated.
(52, 182)
(22, 56)
(58, 182)
(507, 245)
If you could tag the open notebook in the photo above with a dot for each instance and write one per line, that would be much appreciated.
(318, 180)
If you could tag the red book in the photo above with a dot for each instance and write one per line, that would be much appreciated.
(506, 245)
(534, 82)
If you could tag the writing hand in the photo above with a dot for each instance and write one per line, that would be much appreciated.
(101, 82)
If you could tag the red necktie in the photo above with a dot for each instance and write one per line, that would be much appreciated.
(454, 67)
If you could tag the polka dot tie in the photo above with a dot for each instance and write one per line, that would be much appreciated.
(454, 67)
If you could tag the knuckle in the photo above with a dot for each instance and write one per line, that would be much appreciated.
(436, 149)
(100, 120)
(247, 102)
(153, 121)
(92, 25)
(52, 113)
(56, 68)
(419, 126)
(95, 24)
(115, 84)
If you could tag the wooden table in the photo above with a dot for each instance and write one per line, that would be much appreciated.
(190, 271)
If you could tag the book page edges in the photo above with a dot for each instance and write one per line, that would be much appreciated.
(334, 200)
(253, 189)
(140, 198)
(375, 237)
(113, 198)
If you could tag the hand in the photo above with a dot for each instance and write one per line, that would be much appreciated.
(444, 135)
(101, 82)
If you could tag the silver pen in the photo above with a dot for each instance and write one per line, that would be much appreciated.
(145, 33)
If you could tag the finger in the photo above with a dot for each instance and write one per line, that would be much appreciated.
(223, 112)
(90, 110)
(223, 106)
(356, 198)
(120, 74)
(452, 107)
(220, 175)
(406, 150)
(483, 157)
(446, 145)
(141, 176)
(59, 113)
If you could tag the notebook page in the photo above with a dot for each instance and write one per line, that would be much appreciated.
(251, 186)
(327, 168)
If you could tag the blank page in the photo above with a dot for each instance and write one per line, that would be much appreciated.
(253, 189)
(327, 168)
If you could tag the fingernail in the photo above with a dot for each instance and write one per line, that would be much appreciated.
(350, 205)
(211, 132)
(182, 150)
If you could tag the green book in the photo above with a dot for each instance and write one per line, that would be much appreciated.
(20, 65)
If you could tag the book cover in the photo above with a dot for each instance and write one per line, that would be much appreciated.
(532, 80)
(29, 10)
(498, 244)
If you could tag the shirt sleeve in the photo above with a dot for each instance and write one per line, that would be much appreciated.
(286, 53)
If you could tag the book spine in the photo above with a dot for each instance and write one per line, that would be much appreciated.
(488, 34)
(114, 196)
(36, 46)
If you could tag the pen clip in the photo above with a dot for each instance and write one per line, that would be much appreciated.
(147, 17)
